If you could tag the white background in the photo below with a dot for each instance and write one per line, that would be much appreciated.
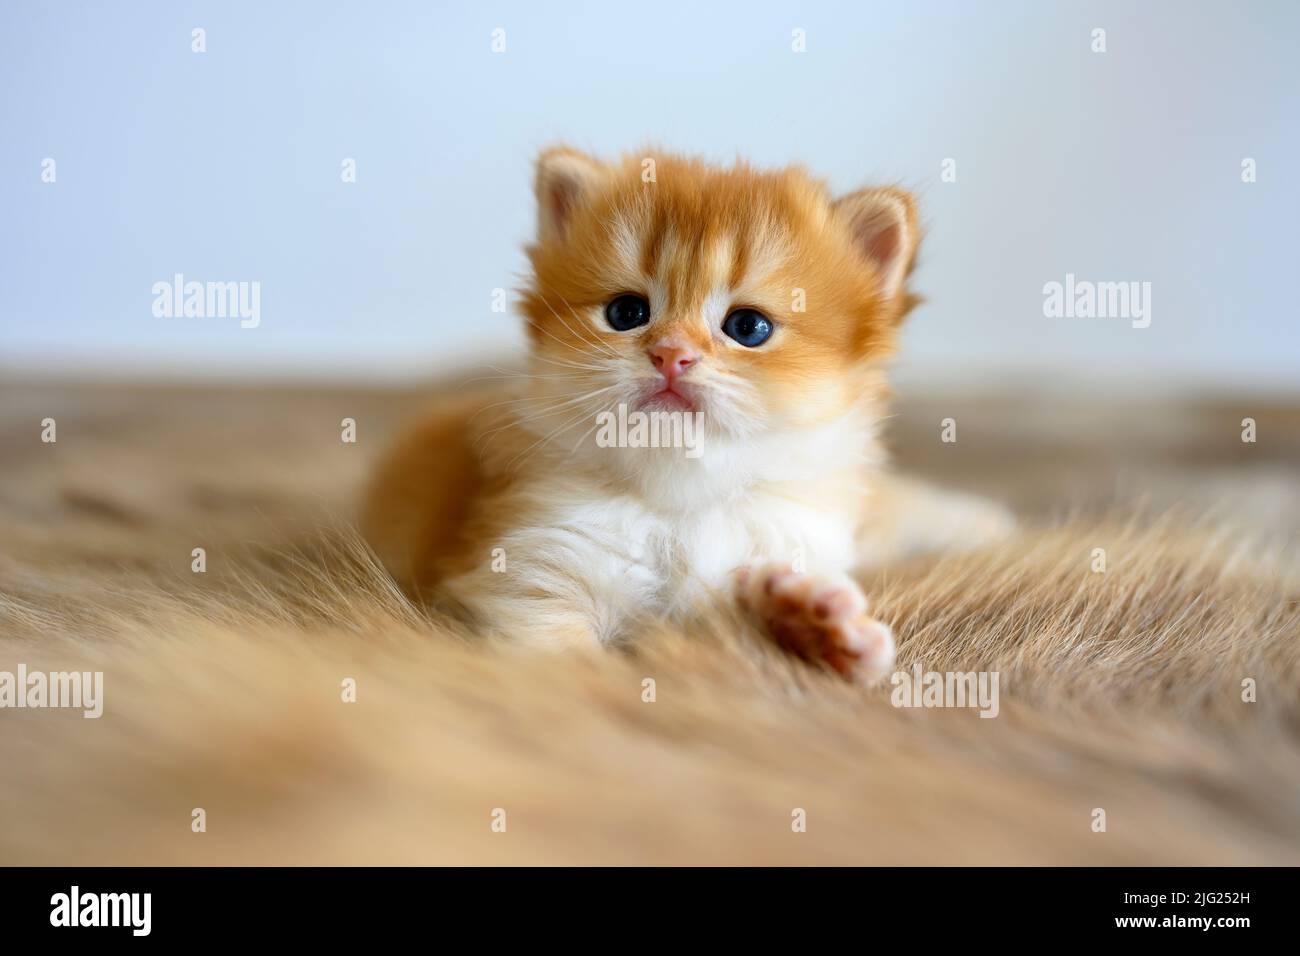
(226, 166)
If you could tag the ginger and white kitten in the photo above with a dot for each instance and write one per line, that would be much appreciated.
(752, 302)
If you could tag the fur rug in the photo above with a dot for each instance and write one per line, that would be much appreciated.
(1120, 691)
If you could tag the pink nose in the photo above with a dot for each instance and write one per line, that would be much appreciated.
(672, 359)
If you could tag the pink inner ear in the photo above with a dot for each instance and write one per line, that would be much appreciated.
(562, 196)
(884, 245)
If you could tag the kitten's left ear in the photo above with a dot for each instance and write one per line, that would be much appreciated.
(883, 225)
(565, 177)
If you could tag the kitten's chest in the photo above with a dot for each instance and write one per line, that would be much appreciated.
(676, 561)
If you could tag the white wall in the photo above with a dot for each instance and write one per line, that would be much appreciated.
(225, 165)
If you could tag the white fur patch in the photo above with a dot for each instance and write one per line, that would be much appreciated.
(638, 529)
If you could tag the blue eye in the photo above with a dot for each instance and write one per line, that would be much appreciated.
(751, 329)
(627, 312)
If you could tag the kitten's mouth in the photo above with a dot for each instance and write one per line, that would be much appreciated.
(668, 398)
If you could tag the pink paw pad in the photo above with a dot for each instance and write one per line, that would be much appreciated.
(821, 619)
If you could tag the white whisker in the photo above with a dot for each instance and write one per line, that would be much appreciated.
(583, 338)
(522, 456)
(544, 331)
(550, 410)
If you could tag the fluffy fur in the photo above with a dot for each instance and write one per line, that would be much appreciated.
(516, 513)
(1120, 690)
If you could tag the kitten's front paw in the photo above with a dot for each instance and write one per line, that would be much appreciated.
(821, 619)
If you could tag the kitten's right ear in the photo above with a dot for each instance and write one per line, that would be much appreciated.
(564, 178)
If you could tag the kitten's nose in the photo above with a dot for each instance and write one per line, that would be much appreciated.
(672, 358)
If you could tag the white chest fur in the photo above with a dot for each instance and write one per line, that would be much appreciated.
(626, 558)
(624, 533)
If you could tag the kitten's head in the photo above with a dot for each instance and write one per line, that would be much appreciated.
(664, 283)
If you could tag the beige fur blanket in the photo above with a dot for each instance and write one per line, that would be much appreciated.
(1163, 691)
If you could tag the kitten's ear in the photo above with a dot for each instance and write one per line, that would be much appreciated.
(564, 177)
(883, 225)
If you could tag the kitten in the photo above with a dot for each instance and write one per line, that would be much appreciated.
(747, 314)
